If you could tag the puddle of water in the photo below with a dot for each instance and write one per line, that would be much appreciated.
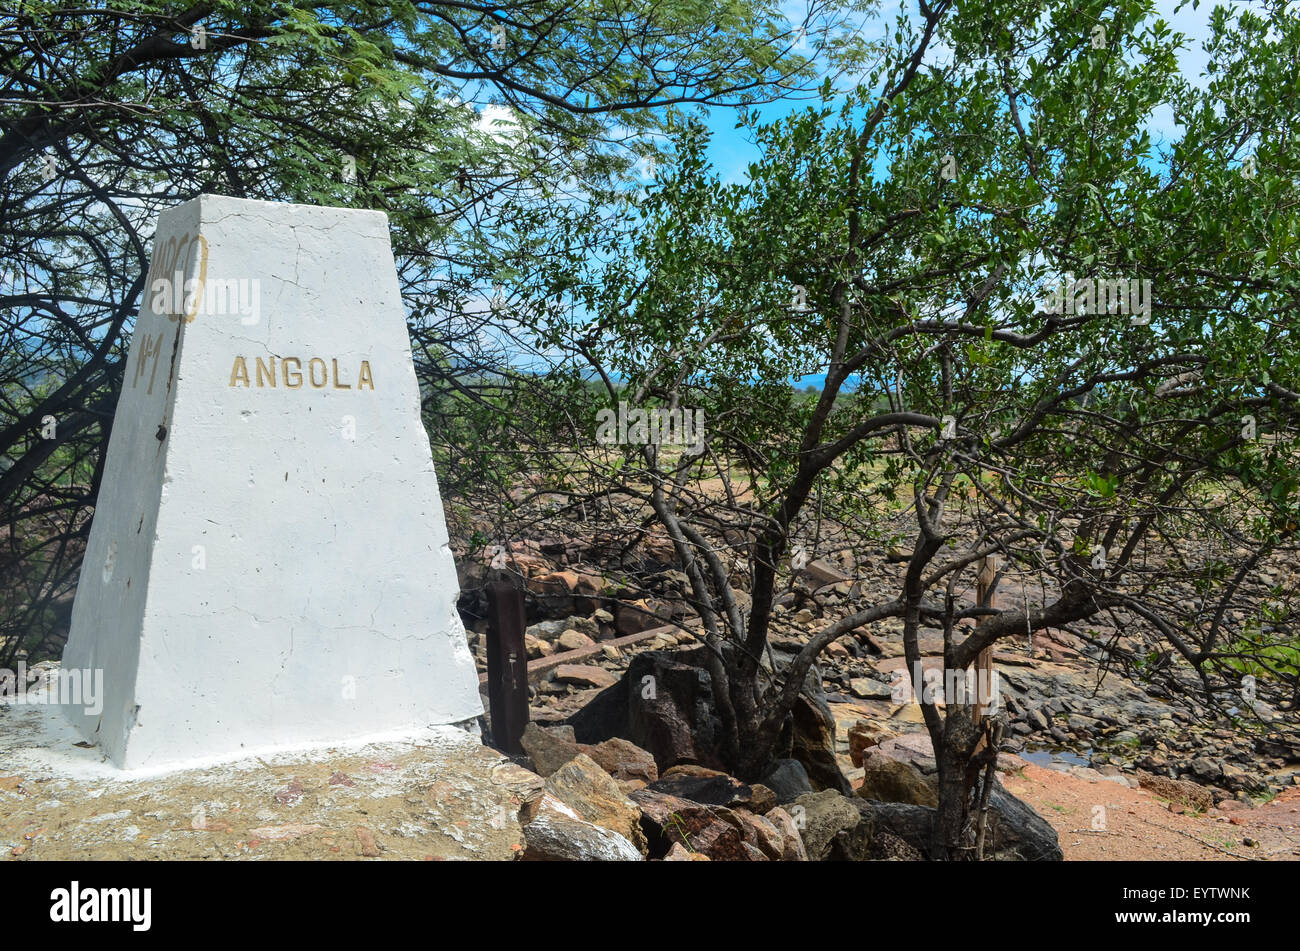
(1046, 757)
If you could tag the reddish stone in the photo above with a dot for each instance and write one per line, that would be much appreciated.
(760, 833)
(557, 582)
(862, 736)
(585, 675)
(290, 794)
(623, 759)
(721, 842)
(668, 819)
(366, 839)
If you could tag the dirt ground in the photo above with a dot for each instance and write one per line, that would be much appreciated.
(1111, 822)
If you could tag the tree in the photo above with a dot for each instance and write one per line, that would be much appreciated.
(1134, 461)
(461, 121)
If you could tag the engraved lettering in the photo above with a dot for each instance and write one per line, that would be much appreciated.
(324, 373)
(269, 372)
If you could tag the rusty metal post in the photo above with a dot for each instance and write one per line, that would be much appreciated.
(507, 665)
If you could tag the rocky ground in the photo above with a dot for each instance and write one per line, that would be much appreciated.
(443, 796)
(1093, 767)
(1157, 775)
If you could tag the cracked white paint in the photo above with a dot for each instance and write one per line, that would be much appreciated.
(325, 607)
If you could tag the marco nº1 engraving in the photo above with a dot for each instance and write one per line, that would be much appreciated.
(293, 373)
(146, 358)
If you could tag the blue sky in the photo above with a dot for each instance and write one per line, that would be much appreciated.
(731, 151)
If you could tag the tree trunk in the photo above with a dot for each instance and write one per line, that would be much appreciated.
(951, 832)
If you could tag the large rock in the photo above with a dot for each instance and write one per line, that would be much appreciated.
(760, 832)
(671, 714)
(862, 736)
(788, 779)
(558, 593)
(551, 747)
(623, 759)
(635, 617)
(890, 780)
(814, 742)
(590, 792)
(792, 849)
(668, 820)
(547, 630)
(572, 640)
(855, 844)
(819, 573)
(820, 817)
(908, 824)
(535, 647)
(809, 734)
(717, 789)
(554, 832)
(552, 630)
(1015, 831)
(662, 704)
(867, 688)
(723, 841)
(1205, 769)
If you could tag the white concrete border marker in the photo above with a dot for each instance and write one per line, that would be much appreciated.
(268, 564)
